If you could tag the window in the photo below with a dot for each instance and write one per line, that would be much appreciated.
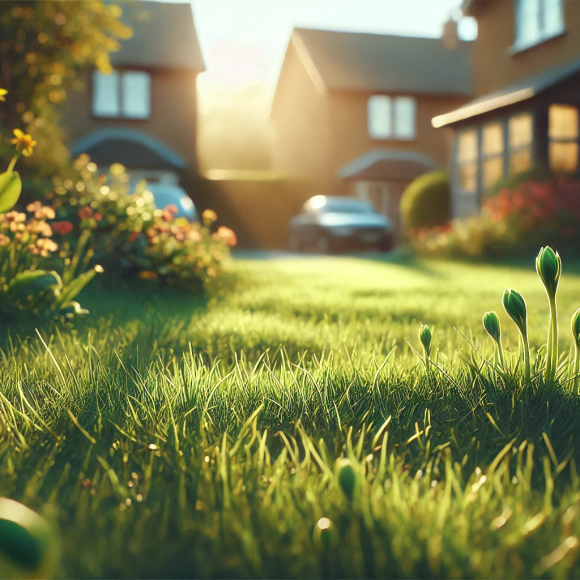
(538, 20)
(124, 94)
(467, 159)
(520, 129)
(392, 118)
(493, 146)
(563, 134)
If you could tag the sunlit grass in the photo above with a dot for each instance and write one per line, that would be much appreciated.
(172, 437)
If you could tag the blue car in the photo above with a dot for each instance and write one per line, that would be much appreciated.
(165, 194)
(331, 224)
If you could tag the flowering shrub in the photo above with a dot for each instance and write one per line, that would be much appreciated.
(513, 221)
(130, 235)
(29, 260)
(26, 248)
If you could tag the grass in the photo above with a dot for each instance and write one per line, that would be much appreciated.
(168, 436)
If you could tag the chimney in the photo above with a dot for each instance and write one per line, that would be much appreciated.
(450, 37)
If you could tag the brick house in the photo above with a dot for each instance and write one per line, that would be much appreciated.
(143, 114)
(527, 89)
(352, 112)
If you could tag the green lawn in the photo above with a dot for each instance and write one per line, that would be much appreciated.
(169, 436)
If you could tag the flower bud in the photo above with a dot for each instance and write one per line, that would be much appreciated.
(425, 337)
(346, 477)
(576, 328)
(324, 535)
(27, 544)
(515, 306)
(549, 269)
(492, 326)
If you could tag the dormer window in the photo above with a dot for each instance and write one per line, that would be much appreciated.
(538, 20)
(122, 94)
(392, 117)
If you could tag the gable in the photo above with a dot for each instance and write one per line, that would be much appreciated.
(164, 36)
(386, 63)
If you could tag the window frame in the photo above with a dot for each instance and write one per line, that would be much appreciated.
(120, 100)
(483, 156)
(575, 140)
(520, 44)
(459, 163)
(509, 149)
(392, 136)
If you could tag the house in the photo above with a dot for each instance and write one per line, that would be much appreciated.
(143, 114)
(527, 96)
(352, 111)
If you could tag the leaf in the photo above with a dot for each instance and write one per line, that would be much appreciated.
(34, 282)
(71, 309)
(10, 189)
(72, 290)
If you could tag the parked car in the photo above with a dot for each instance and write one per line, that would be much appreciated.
(331, 223)
(165, 194)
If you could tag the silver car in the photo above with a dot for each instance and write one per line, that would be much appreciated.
(332, 223)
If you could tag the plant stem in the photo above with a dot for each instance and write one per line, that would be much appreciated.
(501, 356)
(12, 163)
(526, 347)
(554, 337)
(576, 370)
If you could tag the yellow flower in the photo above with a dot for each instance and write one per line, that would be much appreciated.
(2, 93)
(147, 275)
(23, 142)
(209, 216)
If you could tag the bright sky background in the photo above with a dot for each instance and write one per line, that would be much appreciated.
(244, 41)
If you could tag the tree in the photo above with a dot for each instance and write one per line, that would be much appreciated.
(43, 46)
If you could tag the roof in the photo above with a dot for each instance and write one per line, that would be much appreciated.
(164, 36)
(378, 62)
(515, 93)
(388, 165)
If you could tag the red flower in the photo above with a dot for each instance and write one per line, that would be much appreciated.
(134, 236)
(62, 228)
(86, 212)
(172, 208)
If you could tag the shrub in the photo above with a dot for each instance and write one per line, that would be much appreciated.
(130, 236)
(427, 201)
(514, 221)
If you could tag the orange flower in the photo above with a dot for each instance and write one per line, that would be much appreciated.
(227, 236)
(209, 216)
(147, 275)
(23, 142)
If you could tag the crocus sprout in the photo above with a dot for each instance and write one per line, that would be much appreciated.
(515, 306)
(425, 336)
(493, 328)
(549, 269)
(346, 476)
(576, 338)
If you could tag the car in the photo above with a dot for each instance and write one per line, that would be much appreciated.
(166, 194)
(338, 223)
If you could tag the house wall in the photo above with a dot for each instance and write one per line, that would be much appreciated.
(300, 119)
(496, 66)
(349, 135)
(173, 113)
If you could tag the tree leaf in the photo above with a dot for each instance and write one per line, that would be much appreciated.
(10, 188)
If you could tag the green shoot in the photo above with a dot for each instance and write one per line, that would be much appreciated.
(515, 306)
(549, 269)
(493, 328)
(576, 337)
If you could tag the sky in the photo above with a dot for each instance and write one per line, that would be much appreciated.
(244, 41)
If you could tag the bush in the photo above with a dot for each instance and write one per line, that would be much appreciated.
(427, 201)
(516, 220)
(130, 236)
(37, 278)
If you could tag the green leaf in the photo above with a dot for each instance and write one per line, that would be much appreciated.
(34, 282)
(71, 309)
(72, 290)
(10, 189)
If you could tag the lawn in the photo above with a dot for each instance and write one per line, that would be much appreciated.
(171, 436)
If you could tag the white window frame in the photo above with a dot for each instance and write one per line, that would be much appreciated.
(121, 112)
(392, 129)
(538, 11)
